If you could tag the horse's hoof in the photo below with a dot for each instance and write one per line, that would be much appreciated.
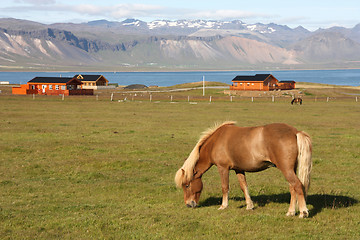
(250, 206)
(221, 207)
(304, 214)
(290, 214)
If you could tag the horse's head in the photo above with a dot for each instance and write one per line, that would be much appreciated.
(192, 191)
(192, 187)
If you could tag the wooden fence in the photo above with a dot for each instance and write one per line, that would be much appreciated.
(161, 97)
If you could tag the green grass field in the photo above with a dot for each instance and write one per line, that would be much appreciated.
(87, 169)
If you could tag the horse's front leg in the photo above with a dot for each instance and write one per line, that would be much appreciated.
(244, 188)
(224, 175)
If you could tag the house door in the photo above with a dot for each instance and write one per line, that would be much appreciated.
(43, 88)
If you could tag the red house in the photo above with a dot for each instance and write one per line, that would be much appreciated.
(53, 86)
(260, 82)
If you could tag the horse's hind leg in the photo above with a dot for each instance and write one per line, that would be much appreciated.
(297, 187)
(242, 180)
(292, 208)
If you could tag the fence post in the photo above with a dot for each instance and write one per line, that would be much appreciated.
(33, 96)
(150, 98)
(97, 97)
(63, 97)
(171, 98)
(327, 99)
(231, 98)
(273, 98)
(252, 99)
(112, 97)
(210, 98)
(356, 99)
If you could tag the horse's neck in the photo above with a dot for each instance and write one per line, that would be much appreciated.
(202, 166)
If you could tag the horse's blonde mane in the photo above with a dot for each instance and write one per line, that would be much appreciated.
(186, 172)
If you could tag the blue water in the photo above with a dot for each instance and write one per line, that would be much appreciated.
(349, 77)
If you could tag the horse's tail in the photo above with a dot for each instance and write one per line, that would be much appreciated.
(304, 159)
(292, 102)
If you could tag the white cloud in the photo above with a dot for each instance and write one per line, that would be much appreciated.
(134, 10)
(87, 9)
(121, 11)
(117, 11)
(228, 15)
(36, 2)
(49, 11)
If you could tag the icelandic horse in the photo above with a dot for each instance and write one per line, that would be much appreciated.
(296, 100)
(249, 149)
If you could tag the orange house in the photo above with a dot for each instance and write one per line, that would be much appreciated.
(287, 85)
(53, 86)
(259, 82)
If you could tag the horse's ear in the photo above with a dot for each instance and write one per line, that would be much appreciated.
(179, 177)
(182, 172)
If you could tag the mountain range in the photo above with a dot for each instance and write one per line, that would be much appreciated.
(173, 45)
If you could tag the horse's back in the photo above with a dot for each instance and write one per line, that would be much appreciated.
(252, 148)
(276, 132)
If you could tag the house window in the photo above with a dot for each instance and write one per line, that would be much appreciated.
(241, 84)
(50, 87)
(63, 87)
(248, 84)
(252, 84)
(32, 86)
(56, 87)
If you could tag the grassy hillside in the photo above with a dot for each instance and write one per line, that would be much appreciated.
(87, 169)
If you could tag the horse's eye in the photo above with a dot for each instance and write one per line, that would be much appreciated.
(187, 186)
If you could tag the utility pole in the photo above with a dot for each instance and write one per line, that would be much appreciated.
(203, 85)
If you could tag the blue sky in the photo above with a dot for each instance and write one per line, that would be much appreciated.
(311, 14)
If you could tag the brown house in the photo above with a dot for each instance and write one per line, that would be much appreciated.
(92, 81)
(260, 82)
(286, 85)
(53, 86)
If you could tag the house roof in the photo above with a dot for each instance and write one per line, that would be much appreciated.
(51, 80)
(256, 78)
(91, 78)
(288, 81)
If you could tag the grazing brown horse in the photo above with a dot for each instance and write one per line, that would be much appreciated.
(249, 149)
(296, 100)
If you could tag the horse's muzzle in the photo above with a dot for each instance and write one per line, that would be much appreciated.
(191, 204)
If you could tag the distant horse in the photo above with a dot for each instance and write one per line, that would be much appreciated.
(296, 100)
(249, 149)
